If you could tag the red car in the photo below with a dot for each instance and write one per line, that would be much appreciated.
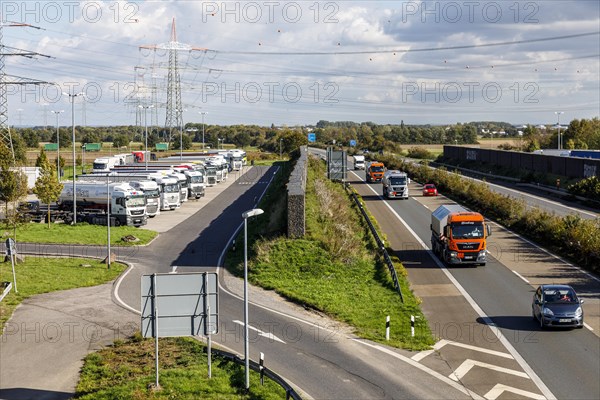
(430, 190)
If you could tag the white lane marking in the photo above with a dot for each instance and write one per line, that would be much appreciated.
(421, 355)
(444, 342)
(497, 390)
(423, 368)
(118, 285)
(587, 326)
(268, 335)
(521, 276)
(174, 269)
(466, 366)
(536, 379)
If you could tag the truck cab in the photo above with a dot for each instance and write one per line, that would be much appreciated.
(359, 162)
(395, 184)
(374, 171)
(152, 193)
(169, 192)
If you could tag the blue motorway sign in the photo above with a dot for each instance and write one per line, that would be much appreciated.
(353, 143)
(312, 137)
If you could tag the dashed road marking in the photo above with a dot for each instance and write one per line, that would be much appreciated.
(521, 276)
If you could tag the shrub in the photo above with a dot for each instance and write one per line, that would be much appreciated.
(588, 187)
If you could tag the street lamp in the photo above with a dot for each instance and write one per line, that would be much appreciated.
(558, 124)
(108, 217)
(146, 128)
(57, 113)
(203, 113)
(72, 99)
(248, 214)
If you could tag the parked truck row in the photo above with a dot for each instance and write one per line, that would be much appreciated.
(132, 191)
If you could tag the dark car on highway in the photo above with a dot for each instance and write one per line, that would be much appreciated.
(557, 306)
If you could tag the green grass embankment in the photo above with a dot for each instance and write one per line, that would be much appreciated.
(335, 268)
(81, 233)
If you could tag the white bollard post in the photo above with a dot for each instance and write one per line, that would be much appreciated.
(387, 328)
(412, 326)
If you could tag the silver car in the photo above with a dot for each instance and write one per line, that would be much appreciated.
(557, 306)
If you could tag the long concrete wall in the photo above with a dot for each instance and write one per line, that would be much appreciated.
(572, 167)
(296, 197)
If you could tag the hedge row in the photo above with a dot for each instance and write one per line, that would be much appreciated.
(589, 187)
(570, 236)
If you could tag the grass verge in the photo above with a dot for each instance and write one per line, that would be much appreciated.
(335, 268)
(126, 371)
(42, 275)
(81, 233)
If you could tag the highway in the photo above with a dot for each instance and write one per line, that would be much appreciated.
(490, 347)
(563, 364)
(321, 358)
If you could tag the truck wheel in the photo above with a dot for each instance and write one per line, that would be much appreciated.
(117, 222)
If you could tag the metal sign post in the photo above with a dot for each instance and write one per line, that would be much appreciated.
(188, 307)
(11, 251)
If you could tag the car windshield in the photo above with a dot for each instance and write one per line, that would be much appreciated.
(554, 295)
(429, 187)
(377, 169)
(467, 230)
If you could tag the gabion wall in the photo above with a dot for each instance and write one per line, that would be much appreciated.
(296, 196)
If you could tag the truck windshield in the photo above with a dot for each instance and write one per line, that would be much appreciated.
(377, 169)
(136, 201)
(100, 166)
(152, 193)
(398, 181)
(171, 188)
(197, 179)
(467, 230)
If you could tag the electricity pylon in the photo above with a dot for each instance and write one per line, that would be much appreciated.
(174, 109)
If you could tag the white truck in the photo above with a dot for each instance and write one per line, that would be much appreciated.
(104, 164)
(236, 159)
(359, 162)
(170, 197)
(152, 193)
(127, 205)
(196, 183)
(395, 184)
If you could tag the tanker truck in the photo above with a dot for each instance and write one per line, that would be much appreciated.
(459, 236)
(127, 205)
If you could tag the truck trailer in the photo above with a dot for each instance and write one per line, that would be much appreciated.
(127, 205)
(395, 184)
(459, 236)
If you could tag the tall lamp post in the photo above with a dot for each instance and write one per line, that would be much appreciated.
(203, 113)
(108, 218)
(57, 113)
(146, 129)
(72, 99)
(248, 214)
(558, 124)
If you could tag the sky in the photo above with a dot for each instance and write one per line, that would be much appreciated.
(298, 62)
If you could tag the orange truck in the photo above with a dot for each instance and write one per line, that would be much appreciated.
(374, 171)
(459, 236)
